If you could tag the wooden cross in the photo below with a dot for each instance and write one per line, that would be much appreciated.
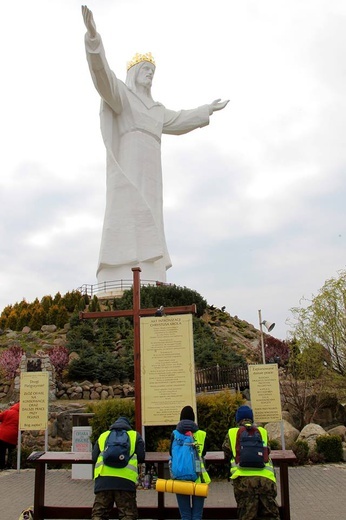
(136, 312)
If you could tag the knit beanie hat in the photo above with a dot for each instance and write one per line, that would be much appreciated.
(243, 412)
(187, 413)
(124, 419)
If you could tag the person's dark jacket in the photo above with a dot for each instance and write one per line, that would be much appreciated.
(109, 483)
(186, 425)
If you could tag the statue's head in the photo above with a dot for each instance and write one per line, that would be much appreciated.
(140, 71)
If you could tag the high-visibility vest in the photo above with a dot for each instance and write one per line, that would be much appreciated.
(199, 437)
(130, 472)
(237, 471)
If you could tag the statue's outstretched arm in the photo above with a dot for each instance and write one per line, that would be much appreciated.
(217, 104)
(89, 21)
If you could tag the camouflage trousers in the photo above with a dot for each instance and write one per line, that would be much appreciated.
(125, 502)
(256, 498)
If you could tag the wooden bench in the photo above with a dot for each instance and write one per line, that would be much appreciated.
(281, 458)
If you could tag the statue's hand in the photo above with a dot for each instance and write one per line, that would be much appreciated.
(217, 104)
(89, 21)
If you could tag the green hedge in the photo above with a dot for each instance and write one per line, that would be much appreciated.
(330, 446)
(215, 415)
(301, 451)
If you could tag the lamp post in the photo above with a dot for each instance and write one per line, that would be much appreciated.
(269, 326)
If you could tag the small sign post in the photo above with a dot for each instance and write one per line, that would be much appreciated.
(81, 443)
(33, 408)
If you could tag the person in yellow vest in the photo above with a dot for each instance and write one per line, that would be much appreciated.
(191, 507)
(255, 488)
(117, 484)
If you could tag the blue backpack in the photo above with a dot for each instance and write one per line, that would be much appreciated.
(117, 449)
(185, 462)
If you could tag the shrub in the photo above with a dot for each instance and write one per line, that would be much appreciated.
(100, 365)
(25, 451)
(57, 315)
(94, 305)
(274, 444)
(301, 451)
(166, 295)
(106, 412)
(38, 318)
(86, 367)
(156, 436)
(58, 356)
(216, 414)
(24, 319)
(316, 458)
(330, 446)
(163, 445)
(11, 322)
(71, 300)
(46, 303)
(10, 360)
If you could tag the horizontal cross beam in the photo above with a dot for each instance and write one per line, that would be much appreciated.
(184, 309)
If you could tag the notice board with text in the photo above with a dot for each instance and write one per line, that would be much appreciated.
(167, 368)
(34, 399)
(265, 392)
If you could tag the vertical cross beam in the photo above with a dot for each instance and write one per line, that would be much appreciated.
(137, 346)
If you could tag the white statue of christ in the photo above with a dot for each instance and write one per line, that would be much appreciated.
(132, 124)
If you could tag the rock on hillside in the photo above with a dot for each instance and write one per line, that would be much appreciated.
(31, 341)
(239, 335)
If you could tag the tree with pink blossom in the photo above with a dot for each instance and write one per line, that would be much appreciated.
(58, 356)
(10, 360)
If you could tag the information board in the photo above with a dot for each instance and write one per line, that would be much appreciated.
(265, 392)
(81, 439)
(81, 443)
(167, 368)
(34, 399)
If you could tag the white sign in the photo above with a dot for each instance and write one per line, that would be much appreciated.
(81, 443)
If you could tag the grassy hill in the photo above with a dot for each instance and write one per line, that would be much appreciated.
(219, 338)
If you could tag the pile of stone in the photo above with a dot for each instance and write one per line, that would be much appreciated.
(93, 391)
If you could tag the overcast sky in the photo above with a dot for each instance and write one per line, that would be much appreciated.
(254, 203)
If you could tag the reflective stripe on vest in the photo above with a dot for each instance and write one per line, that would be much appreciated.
(236, 471)
(199, 437)
(130, 472)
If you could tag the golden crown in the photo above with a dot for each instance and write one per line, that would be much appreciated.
(138, 58)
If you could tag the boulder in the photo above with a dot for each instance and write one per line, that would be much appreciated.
(344, 451)
(338, 430)
(290, 432)
(64, 425)
(26, 330)
(309, 433)
(288, 417)
(329, 412)
(48, 328)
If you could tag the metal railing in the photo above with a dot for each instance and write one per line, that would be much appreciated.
(218, 378)
(114, 287)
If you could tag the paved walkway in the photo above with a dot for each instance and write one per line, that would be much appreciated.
(316, 492)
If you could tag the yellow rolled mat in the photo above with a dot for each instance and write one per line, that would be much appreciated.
(182, 487)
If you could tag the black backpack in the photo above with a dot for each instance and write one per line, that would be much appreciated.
(250, 449)
(117, 449)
